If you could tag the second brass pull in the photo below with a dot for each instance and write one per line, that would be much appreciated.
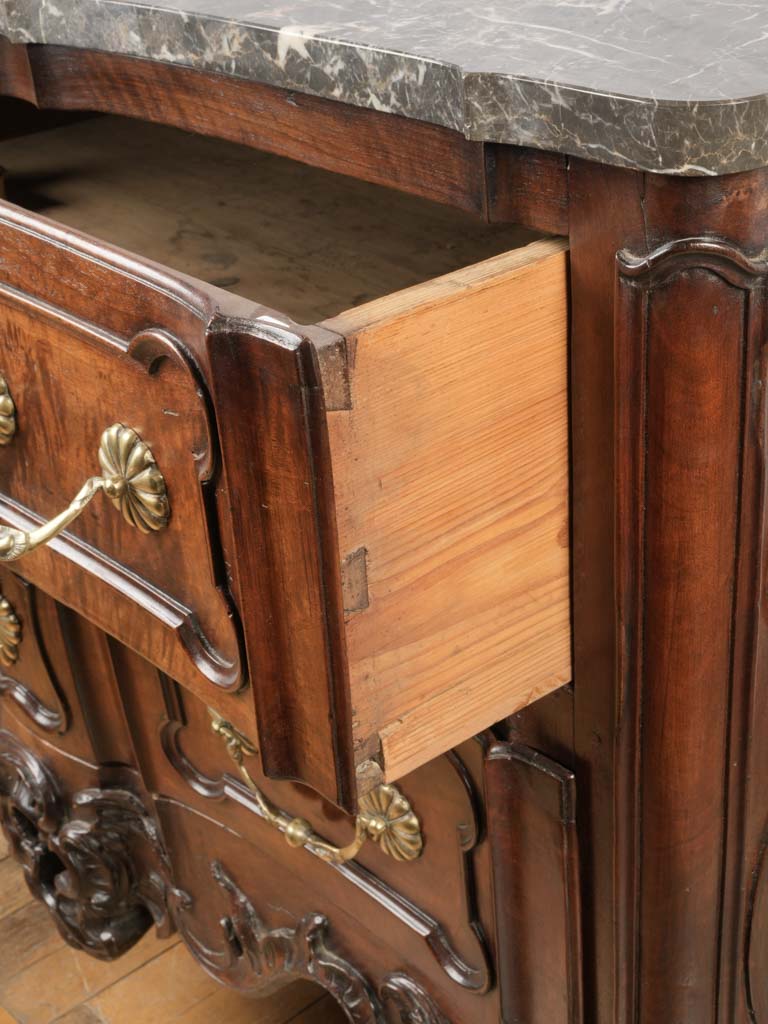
(130, 479)
(385, 814)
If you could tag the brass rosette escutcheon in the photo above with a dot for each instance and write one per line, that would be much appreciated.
(385, 816)
(10, 633)
(7, 413)
(130, 479)
(134, 484)
(391, 823)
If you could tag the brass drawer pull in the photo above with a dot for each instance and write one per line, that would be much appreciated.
(130, 479)
(385, 814)
(10, 634)
(7, 413)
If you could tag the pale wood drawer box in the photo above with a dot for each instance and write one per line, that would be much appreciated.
(382, 525)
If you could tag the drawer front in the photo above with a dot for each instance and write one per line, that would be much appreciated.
(56, 677)
(89, 340)
(443, 932)
(438, 429)
(383, 504)
(499, 938)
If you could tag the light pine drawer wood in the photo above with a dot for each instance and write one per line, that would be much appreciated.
(451, 490)
(384, 501)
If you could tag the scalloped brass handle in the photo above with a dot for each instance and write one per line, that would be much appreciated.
(385, 815)
(130, 479)
(7, 413)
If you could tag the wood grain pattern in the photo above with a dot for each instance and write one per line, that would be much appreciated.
(463, 522)
(338, 926)
(693, 379)
(279, 580)
(12, 894)
(302, 724)
(148, 189)
(668, 400)
(438, 926)
(528, 186)
(45, 981)
(438, 163)
(664, 726)
(76, 360)
(606, 213)
(532, 828)
(458, 529)
(15, 72)
(31, 682)
(172, 987)
(412, 156)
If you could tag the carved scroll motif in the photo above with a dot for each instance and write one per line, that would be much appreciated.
(254, 958)
(476, 979)
(83, 862)
(99, 865)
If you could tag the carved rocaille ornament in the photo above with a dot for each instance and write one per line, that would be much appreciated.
(255, 958)
(30, 804)
(473, 974)
(102, 900)
(99, 865)
(409, 1000)
(83, 862)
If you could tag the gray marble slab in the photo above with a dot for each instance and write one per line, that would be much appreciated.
(675, 86)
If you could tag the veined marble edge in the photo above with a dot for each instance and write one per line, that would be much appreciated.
(678, 137)
(437, 99)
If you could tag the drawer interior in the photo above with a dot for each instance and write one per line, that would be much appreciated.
(442, 588)
(303, 241)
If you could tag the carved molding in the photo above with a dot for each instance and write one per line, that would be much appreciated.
(475, 979)
(691, 416)
(216, 658)
(409, 1001)
(722, 258)
(83, 861)
(99, 865)
(756, 938)
(28, 632)
(109, 893)
(150, 348)
(254, 959)
(752, 980)
(29, 793)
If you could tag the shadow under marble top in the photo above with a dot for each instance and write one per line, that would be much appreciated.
(675, 86)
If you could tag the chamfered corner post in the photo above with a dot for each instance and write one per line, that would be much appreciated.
(668, 285)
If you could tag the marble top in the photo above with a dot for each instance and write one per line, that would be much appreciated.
(676, 86)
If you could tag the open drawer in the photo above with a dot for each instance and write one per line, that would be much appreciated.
(374, 507)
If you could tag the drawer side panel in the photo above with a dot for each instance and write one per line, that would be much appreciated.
(451, 478)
